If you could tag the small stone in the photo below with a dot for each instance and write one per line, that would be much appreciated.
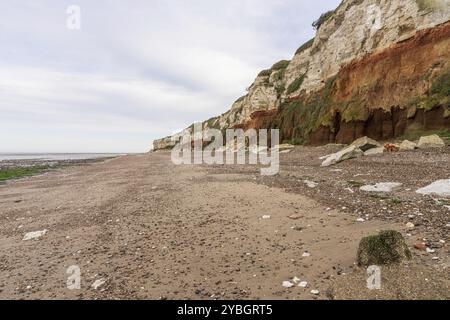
(303, 284)
(429, 250)
(295, 217)
(360, 220)
(315, 292)
(266, 217)
(98, 283)
(310, 184)
(287, 284)
(420, 246)
(34, 235)
(410, 225)
(306, 255)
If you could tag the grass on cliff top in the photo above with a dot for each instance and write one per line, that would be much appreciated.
(16, 173)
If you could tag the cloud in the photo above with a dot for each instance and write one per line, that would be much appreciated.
(137, 70)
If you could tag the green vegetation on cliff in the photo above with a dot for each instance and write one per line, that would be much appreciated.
(296, 84)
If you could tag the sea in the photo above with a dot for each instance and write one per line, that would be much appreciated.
(55, 156)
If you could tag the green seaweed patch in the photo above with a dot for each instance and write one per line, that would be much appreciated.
(386, 248)
(17, 173)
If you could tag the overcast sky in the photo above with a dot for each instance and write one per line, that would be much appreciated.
(137, 70)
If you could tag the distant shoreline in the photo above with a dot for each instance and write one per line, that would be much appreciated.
(13, 169)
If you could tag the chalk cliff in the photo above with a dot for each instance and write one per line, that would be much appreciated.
(376, 68)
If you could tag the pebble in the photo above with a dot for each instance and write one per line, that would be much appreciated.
(315, 292)
(303, 284)
(410, 225)
(34, 235)
(306, 254)
(287, 284)
(420, 246)
(430, 250)
(360, 220)
(266, 217)
(98, 283)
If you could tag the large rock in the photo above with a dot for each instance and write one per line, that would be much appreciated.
(348, 153)
(386, 248)
(433, 141)
(365, 143)
(440, 188)
(374, 151)
(407, 146)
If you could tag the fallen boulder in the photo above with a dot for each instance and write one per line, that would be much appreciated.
(374, 151)
(408, 146)
(388, 247)
(440, 188)
(433, 141)
(365, 143)
(348, 153)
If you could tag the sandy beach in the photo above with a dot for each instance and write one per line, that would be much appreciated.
(142, 228)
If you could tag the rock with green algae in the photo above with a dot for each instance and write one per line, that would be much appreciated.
(388, 247)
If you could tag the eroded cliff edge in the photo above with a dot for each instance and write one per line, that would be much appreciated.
(377, 68)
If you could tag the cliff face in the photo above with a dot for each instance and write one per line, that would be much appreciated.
(376, 67)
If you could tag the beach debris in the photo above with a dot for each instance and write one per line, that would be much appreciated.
(382, 187)
(386, 248)
(34, 235)
(428, 142)
(98, 283)
(440, 188)
(391, 147)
